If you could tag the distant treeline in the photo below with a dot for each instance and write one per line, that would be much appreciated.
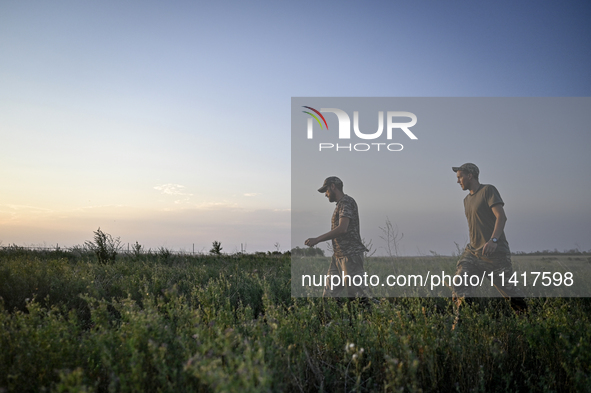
(307, 252)
(574, 251)
(297, 251)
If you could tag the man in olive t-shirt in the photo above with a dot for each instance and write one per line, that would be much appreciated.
(488, 251)
(347, 261)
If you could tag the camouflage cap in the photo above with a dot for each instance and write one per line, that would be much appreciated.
(328, 181)
(468, 168)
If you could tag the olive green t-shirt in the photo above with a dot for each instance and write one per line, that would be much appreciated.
(481, 219)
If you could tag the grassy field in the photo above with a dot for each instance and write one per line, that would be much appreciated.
(173, 323)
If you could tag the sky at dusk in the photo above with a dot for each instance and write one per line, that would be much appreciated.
(169, 123)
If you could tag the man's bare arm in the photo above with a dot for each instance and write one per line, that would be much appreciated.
(341, 229)
(499, 213)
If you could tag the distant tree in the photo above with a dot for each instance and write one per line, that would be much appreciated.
(216, 248)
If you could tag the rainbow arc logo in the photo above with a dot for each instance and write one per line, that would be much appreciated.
(318, 113)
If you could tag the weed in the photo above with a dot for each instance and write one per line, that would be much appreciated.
(137, 250)
(104, 246)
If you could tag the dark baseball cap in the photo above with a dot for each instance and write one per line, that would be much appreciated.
(468, 168)
(328, 181)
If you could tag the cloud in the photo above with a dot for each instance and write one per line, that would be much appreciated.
(217, 205)
(13, 212)
(172, 189)
(27, 208)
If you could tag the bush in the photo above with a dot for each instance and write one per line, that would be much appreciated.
(104, 246)
(137, 250)
(216, 248)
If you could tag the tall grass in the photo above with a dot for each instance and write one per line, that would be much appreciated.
(221, 324)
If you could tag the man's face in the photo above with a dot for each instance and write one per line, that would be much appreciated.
(464, 179)
(330, 193)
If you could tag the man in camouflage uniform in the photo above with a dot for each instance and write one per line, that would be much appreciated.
(488, 250)
(346, 242)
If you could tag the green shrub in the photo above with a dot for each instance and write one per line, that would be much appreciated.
(104, 246)
(216, 248)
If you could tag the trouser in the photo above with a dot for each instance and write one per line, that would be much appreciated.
(499, 264)
(349, 270)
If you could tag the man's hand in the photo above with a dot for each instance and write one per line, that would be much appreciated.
(338, 231)
(311, 242)
(489, 248)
